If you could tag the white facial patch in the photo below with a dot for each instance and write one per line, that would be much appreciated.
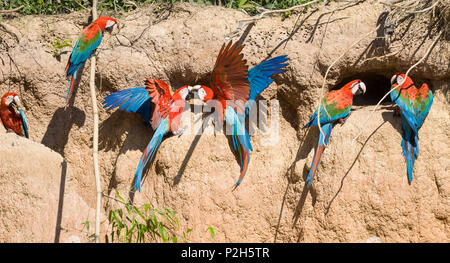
(201, 93)
(9, 100)
(110, 23)
(397, 79)
(184, 92)
(358, 86)
(355, 88)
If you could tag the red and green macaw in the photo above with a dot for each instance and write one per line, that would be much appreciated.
(234, 88)
(335, 108)
(158, 107)
(413, 104)
(12, 115)
(86, 45)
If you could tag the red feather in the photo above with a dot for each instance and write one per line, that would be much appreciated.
(229, 79)
(9, 118)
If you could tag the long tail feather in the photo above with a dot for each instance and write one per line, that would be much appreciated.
(150, 151)
(318, 154)
(244, 153)
(71, 85)
(241, 140)
(25, 124)
(410, 145)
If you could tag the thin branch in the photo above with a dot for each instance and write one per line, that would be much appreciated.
(95, 140)
(423, 10)
(82, 6)
(11, 10)
(404, 79)
(244, 22)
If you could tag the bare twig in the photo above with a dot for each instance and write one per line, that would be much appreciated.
(423, 10)
(244, 22)
(82, 6)
(95, 140)
(404, 79)
(11, 10)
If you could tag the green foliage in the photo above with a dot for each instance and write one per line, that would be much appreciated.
(50, 7)
(211, 231)
(58, 45)
(90, 237)
(132, 224)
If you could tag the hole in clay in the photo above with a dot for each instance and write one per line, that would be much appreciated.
(377, 86)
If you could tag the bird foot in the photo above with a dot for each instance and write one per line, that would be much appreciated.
(180, 131)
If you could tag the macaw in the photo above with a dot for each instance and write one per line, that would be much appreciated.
(86, 45)
(158, 107)
(335, 108)
(12, 115)
(235, 88)
(413, 105)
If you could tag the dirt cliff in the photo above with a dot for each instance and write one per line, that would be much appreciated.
(360, 194)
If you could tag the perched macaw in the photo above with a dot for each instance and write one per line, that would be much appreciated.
(335, 108)
(235, 88)
(413, 104)
(156, 101)
(12, 115)
(86, 44)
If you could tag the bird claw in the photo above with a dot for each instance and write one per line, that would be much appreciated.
(343, 120)
(180, 131)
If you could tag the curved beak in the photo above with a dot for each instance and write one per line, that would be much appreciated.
(188, 96)
(16, 104)
(193, 89)
(393, 79)
(362, 88)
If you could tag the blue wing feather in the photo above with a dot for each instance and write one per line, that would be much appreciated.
(130, 100)
(407, 109)
(324, 118)
(260, 76)
(423, 108)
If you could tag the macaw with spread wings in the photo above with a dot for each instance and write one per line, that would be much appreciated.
(234, 88)
(158, 107)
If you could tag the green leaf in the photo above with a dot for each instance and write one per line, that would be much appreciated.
(211, 231)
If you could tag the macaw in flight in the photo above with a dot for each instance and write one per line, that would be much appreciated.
(158, 108)
(335, 108)
(12, 115)
(413, 105)
(86, 44)
(234, 88)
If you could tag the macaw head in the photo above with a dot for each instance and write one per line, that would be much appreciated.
(106, 23)
(12, 100)
(204, 93)
(182, 93)
(356, 86)
(399, 79)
